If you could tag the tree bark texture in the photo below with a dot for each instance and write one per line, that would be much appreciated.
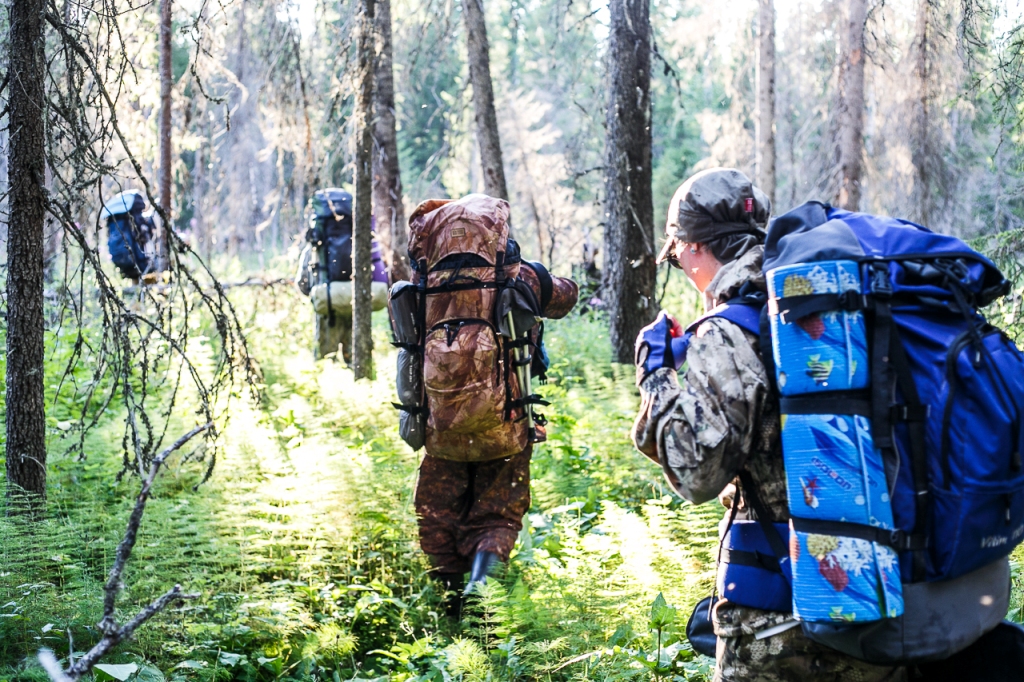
(851, 107)
(392, 231)
(765, 119)
(483, 99)
(362, 265)
(162, 236)
(922, 147)
(26, 417)
(630, 271)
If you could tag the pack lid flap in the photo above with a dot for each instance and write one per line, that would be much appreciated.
(331, 202)
(475, 224)
(125, 202)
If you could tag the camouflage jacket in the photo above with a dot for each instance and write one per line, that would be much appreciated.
(719, 413)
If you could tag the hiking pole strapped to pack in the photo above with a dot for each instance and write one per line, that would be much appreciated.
(523, 372)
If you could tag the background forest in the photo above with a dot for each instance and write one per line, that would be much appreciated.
(290, 517)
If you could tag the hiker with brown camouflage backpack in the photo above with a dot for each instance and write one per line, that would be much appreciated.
(469, 332)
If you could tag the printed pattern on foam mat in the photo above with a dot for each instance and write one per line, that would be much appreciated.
(835, 473)
(823, 351)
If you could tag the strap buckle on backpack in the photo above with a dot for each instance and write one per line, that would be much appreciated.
(411, 409)
(881, 286)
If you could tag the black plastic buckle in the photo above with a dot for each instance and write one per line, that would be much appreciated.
(881, 287)
(902, 541)
(851, 300)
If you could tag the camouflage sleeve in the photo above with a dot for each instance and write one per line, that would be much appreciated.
(702, 424)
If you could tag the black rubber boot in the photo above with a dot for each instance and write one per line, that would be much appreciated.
(452, 584)
(483, 562)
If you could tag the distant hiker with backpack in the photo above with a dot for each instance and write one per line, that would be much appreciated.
(128, 232)
(861, 422)
(470, 340)
(325, 272)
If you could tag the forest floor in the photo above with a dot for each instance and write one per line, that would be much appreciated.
(303, 543)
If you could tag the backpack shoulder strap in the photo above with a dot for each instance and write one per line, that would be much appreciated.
(743, 310)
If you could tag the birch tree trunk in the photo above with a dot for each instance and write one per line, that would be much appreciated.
(362, 266)
(922, 147)
(483, 99)
(26, 416)
(387, 180)
(765, 119)
(851, 107)
(630, 271)
(162, 236)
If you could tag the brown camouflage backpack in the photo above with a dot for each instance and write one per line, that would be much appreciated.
(461, 398)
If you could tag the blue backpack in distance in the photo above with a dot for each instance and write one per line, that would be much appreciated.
(125, 226)
(945, 404)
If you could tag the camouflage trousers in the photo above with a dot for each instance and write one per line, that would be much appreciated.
(328, 339)
(465, 507)
(784, 657)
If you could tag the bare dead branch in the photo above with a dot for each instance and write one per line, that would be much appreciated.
(114, 634)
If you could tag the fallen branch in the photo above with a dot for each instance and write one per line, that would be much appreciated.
(251, 282)
(114, 634)
(258, 282)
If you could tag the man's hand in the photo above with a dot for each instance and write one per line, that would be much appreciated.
(660, 344)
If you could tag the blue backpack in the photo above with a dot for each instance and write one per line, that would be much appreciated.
(124, 233)
(945, 405)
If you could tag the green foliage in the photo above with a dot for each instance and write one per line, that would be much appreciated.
(303, 544)
(1005, 249)
(304, 547)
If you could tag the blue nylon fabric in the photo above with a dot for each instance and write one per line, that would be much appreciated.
(747, 316)
(887, 238)
(977, 510)
(753, 586)
(657, 336)
(124, 249)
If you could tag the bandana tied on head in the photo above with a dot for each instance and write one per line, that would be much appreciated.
(713, 205)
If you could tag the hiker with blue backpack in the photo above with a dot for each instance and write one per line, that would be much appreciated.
(860, 421)
(128, 231)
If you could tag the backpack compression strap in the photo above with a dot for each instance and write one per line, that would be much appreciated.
(546, 284)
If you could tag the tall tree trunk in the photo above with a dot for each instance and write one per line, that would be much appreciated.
(387, 180)
(922, 147)
(362, 265)
(483, 99)
(630, 272)
(311, 175)
(162, 236)
(851, 106)
(765, 119)
(26, 416)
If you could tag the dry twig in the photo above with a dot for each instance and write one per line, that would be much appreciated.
(114, 634)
